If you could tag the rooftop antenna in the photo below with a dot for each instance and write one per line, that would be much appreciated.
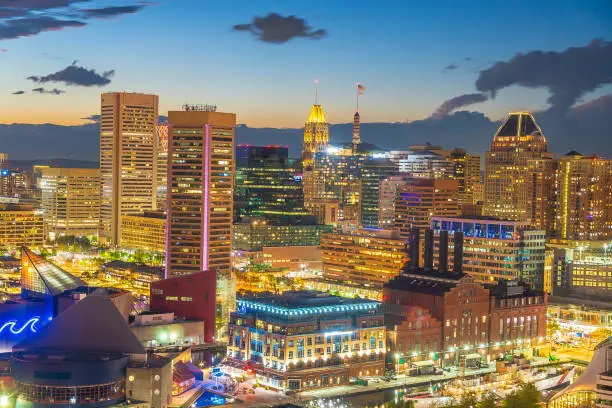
(316, 81)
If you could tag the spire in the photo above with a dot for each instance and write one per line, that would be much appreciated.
(316, 115)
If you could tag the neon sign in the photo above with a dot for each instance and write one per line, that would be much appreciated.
(10, 325)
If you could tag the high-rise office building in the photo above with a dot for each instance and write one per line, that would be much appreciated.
(267, 184)
(200, 197)
(146, 231)
(373, 172)
(466, 170)
(519, 173)
(386, 200)
(161, 166)
(127, 159)
(584, 197)
(495, 249)
(418, 200)
(316, 138)
(70, 201)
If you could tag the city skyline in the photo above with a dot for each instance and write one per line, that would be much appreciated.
(417, 61)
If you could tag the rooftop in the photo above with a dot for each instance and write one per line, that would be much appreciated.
(41, 276)
(317, 115)
(304, 303)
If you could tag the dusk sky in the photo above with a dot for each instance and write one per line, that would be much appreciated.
(411, 56)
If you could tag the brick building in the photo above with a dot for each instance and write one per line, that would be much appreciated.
(475, 319)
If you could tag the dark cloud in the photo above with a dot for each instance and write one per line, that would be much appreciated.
(3, 50)
(568, 75)
(22, 18)
(450, 67)
(25, 27)
(108, 12)
(53, 91)
(92, 118)
(18, 92)
(277, 29)
(603, 104)
(468, 59)
(451, 104)
(38, 4)
(76, 75)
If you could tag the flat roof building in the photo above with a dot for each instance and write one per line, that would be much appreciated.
(306, 339)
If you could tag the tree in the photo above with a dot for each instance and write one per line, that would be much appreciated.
(529, 396)
(468, 400)
(488, 400)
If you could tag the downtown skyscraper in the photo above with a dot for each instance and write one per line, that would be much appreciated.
(316, 139)
(127, 159)
(200, 199)
(519, 173)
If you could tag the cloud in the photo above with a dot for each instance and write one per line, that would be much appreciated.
(76, 75)
(109, 12)
(18, 93)
(451, 104)
(3, 50)
(53, 91)
(450, 67)
(276, 29)
(92, 118)
(26, 27)
(23, 18)
(603, 104)
(567, 75)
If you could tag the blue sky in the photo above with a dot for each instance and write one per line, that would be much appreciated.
(186, 51)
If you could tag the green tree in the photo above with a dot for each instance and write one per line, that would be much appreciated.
(468, 400)
(529, 396)
(488, 400)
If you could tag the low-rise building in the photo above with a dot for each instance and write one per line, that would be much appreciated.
(20, 225)
(362, 256)
(475, 318)
(307, 339)
(254, 233)
(165, 329)
(581, 271)
(146, 231)
(137, 274)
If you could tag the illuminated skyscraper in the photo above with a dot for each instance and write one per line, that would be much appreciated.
(200, 197)
(466, 170)
(373, 172)
(584, 198)
(518, 173)
(70, 201)
(266, 184)
(127, 159)
(316, 138)
(161, 166)
(418, 200)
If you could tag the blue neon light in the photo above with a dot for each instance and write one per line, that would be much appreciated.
(29, 324)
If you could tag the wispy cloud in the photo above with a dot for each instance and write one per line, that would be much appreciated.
(53, 91)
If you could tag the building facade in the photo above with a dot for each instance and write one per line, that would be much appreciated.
(495, 250)
(469, 312)
(161, 167)
(19, 226)
(200, 197)
(305, 340)
(70, 201)
(145, 231)
(418, 200)
(267, 183)
(365, 257)
(373, 172)
(127, 159)
(584, 198)
(582, 272)
(253, 234)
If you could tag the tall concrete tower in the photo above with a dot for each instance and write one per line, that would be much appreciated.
(356, 132)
